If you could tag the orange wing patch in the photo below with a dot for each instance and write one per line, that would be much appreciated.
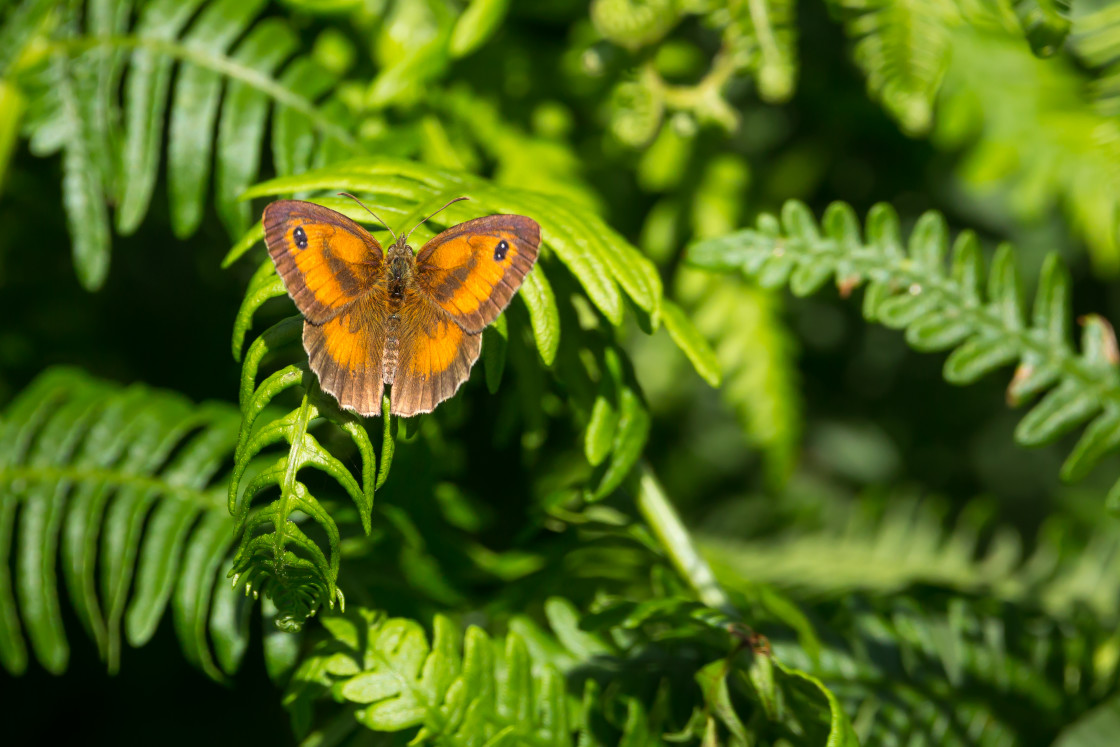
(326, 260)
(473, 269)
(346, 353)
(432, 357)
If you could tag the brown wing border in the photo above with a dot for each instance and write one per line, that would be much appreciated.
(275, 219)
(528, 234)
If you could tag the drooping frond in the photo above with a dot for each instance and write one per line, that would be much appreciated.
(274, 554)
(944, 307)
(125, 488)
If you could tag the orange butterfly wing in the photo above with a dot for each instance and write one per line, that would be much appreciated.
(432, 356)
(335, 272)
(347, 352)
(326, 260)
(472, 270)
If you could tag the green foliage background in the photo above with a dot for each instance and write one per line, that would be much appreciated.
(675, 503)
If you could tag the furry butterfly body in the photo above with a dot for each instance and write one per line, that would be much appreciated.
(412, 322)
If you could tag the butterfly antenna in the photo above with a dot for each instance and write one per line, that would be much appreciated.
(355, 199)
(449, 204)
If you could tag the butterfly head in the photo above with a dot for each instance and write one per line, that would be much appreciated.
(400, 245)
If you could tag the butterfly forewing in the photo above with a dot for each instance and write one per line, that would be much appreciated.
(473, 269)
(326, 260)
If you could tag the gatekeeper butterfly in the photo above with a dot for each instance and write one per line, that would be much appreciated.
(410, 321)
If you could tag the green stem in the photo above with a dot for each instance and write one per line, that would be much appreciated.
(219, 64)
(704, 99)
(666, 524)
(15, 474)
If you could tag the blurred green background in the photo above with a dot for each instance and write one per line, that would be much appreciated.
(823, 421)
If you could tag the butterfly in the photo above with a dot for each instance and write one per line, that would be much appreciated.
(412, 322)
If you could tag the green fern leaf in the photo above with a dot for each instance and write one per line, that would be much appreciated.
(1046, 23)
(122, 485)
(459, 689)
(914, 291)
(763, 38)
(106, 96)
(903, 49)
(194, 110)
(617, 420)
(479, 21)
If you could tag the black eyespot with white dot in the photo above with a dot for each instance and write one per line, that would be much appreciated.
(300, 237)
(500, 250)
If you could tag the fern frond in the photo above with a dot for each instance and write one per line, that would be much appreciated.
(522, 688)
(273, 554)
(222, 58)
(1046, 23)
(1033, 133)
(1096, 40)
(903, 49)
(127, 485)
(459, 689)
(1027, 126)
(598, 380)
(763, 36)
(906, 544)
(942, 308)
(936, 670)
(635, 23)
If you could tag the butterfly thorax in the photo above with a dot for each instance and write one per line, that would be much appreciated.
(401, 265)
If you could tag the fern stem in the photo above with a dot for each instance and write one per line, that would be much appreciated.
(666, 524)
(15, 474)
(220, 64)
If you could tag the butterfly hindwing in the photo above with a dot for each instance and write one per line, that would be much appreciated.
(432, 357)
(326, 260)
(472, 270)
(347, 352)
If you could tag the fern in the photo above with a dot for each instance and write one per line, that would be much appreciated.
(1097, 42)
(273, 553)
(763, 36)
(903, 49)
(1046, 23)
(1029, 133)
(222, 56)
(526, 687)
(452, 688)
(758, 38)
(1035, 137)
(937, 670)
(942, 309)
(904, 543)
(600, 382)
(126, 485)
